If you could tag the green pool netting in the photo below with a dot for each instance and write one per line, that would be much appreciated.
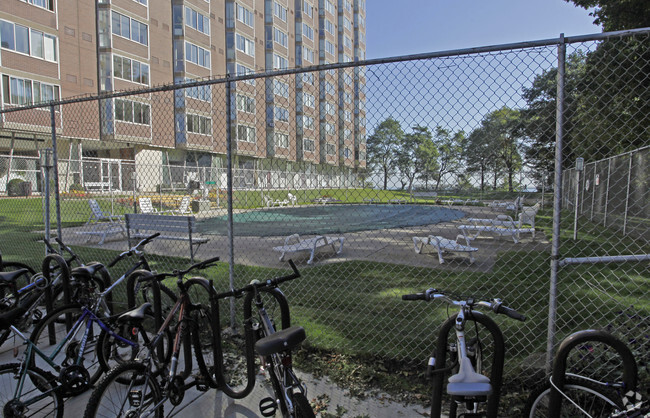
(326, 219)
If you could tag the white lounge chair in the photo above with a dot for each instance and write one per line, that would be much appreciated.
(502, 225)
(97, 214)
(443, 245)
(102, 229)
(515, 205)
(293, 243)
(270, 202)
(147, 207)
(183, 207)
(527, 216)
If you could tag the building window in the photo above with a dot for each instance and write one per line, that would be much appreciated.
(130, 28)
(308, 54)
(348, 116)
(198, 92)
(197, 21)
(280, 62)
(244, 70)
(347, 42)
(245, 45)
(347, 134)
(308, 78)
(280, 11)
(307, 8)
(329, 88)
(281, 140)
(308, 31)
(329, 128)
(348, 5)
(27, 41)
(362, 156)
(281, 114)
(244, 15)
(329, 7)
(308, 100)
(308, 145)
(199, 124)
(280, 88)
(347, 23)
(330, 108)
(347, 153)
(19, 91)
(45, 4)
(245, 133)
(329, 47)
(280, 37)
(130, 70)
(329, 27)
(245, 103)
(197, 55)
(131, 111)
(307, 122)
(330, 149)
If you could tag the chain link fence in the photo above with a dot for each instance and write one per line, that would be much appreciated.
(383, 154)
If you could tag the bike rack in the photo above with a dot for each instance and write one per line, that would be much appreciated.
(580, 337)
(157, 305)
(496, 373)
(65, 283)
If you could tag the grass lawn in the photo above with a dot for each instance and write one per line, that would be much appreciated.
(355, 318)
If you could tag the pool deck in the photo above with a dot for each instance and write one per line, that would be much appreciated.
(393, 245)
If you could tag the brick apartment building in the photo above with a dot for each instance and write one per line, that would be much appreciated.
(312, 122)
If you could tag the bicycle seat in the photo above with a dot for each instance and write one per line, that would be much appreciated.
(11, 276)
(137, 313)
(282, 340)
(89, 269)
(467, 382)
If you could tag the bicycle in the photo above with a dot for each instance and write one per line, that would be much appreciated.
(568, 394)
(132, 389)
(274, 346)
(467, 386)
(70, 333)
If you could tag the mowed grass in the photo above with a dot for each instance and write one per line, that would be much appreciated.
(355, 307)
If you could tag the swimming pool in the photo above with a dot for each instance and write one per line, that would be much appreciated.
(327, 219)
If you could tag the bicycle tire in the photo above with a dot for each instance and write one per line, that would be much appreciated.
(167, 298)
(117, 389)
(593, 398)
(38, 381)
(203, 335)
(7, 297)
(41, 338)
(302, 408)
(111, 352)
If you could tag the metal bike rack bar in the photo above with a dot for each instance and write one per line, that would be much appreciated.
(581, 337)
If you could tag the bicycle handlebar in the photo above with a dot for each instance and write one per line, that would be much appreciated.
(134, 250)
(73, 256)
(180, 273)
(258, 285)
(495, 305)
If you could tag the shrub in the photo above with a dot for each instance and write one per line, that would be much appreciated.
(76, 187)
(14, 187)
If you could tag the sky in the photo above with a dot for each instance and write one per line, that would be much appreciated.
(403, 27)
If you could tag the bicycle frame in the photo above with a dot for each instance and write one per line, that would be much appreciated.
(496, 374)
(86, 314)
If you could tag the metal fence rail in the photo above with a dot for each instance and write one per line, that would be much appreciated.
(470, 134)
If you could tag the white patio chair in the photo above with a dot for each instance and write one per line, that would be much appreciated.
(445, 245)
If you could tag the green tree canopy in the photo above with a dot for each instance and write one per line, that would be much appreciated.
(617, 14)
(383, 146)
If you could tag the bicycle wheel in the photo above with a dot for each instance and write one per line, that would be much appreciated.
(38, 397)
(592, 398)
(167, 298)
(112, 352)
(129, 390)
(50, 335)
(203, 335)
(302, 408)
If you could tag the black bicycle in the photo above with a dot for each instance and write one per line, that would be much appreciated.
(468, 386)
(273, 345)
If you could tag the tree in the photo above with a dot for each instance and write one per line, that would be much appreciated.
(426, 155)
(450, 151)
(617, 14)
(479, 153)
(414, 155)
(382, 148)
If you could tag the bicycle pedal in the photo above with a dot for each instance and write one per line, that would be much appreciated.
(268, 406)
(201, 385)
